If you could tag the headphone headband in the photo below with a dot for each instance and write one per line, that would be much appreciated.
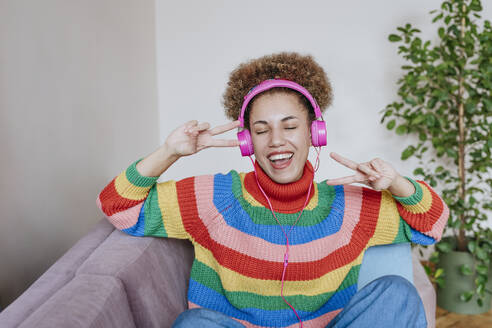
(276, 83)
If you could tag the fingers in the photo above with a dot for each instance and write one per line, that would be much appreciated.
(224, 143)
(224, 128)
(190, 124)
(344, 161)
(370, 169)
(344, 180)
(203, 126)
(372, 174)
(193, 128)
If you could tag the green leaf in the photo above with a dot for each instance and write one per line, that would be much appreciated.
(418, 119)
(481, 254)
(481, 280)
(482, 269)
(401, 130)
(432, 102)
(466, 296)
(441, 32)
(430, 120)
(391, 124)
(434, 258)
(444, 246)
(466, 270)
(394, 38)
(438, 273)
(488, 104)
(410, 101)
(440, 151)
(451, 153)
(472, 246)
(475, 5)
(409, 151)
(438, 17)
(440, 282)
(480, 289)
(470, 108)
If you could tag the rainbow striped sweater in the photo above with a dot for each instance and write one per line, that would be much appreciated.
(239, 246)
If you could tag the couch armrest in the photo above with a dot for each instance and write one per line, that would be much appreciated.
(57, 276)
(154, 271)
(85, 302)
(426, 291)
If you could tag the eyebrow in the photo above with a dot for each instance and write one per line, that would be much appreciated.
(283, 120)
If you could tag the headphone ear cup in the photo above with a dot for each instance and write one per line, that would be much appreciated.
(318, 133)
(245, 143)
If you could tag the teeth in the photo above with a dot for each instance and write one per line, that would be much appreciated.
(280, 156)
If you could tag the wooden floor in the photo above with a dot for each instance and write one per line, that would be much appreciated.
(445, 319)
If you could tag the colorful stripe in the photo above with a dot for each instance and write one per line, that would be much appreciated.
(235, 281)
(210, 299)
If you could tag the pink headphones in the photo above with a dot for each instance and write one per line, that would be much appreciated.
(318, 128)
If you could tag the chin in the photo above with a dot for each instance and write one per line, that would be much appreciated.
(285, 178)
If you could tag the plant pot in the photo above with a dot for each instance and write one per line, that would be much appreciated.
(456, 283)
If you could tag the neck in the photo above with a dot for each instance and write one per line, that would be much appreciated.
(287, 198)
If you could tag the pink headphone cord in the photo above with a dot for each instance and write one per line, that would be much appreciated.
(286, 255)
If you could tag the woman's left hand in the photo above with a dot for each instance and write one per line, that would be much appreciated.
(376, 173)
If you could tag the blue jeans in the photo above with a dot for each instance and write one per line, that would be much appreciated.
(389, 301)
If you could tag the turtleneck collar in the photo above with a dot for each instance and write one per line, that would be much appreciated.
(287, 198)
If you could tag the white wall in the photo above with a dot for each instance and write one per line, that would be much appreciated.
(200, 42)
(78, 102)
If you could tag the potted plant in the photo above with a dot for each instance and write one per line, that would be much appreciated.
(445, 103)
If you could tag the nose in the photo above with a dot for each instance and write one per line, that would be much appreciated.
(277, 137)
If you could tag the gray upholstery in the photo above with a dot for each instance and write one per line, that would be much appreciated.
(87, 301)
(111, 279)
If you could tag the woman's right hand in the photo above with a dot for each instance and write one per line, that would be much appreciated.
(192, 137)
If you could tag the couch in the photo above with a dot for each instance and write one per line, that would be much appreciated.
(111, 279)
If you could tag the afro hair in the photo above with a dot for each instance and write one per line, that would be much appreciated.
(285, 65)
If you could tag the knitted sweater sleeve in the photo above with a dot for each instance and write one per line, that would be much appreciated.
(139, 206)
(419, 218)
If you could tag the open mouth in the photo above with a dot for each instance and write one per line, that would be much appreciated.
(280, 161)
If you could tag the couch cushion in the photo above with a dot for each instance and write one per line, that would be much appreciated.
(392, 259)
(59, 274)
(85, 302)
(155, 272)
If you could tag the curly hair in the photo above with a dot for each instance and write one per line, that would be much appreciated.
(285, 65)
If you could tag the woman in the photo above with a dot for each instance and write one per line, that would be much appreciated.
(273, 248)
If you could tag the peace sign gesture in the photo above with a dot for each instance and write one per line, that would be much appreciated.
(376, 173)
(192, 137)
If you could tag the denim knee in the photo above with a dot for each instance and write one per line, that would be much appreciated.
(394, 282)
(402, 294)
